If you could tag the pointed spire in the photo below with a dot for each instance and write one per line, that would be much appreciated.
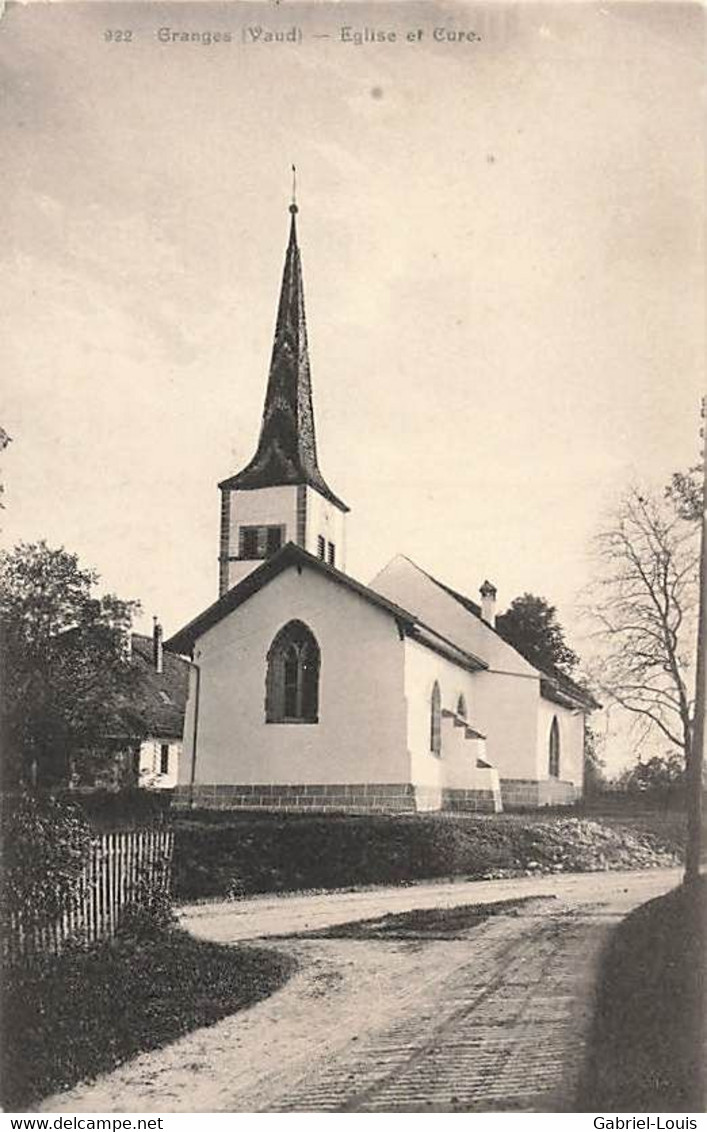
(287, 448)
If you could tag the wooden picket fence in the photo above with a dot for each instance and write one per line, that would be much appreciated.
(117, 867)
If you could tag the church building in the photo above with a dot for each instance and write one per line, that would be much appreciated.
(311, 691)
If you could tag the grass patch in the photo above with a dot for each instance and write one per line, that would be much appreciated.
(71, 1017)
(647, 1043)
(231, 854)
(424, 923)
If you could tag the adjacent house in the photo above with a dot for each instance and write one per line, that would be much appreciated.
(161, 700)
(146, 740)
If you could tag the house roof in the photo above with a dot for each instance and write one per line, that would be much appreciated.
(293, 555)
(287, 448)
(161, 696)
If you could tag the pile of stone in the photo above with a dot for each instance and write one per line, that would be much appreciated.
(577, 845)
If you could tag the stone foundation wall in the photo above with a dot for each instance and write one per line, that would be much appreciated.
(516, 793)
(364, 797)
(469, 801)
(555, 792)
(525, 793)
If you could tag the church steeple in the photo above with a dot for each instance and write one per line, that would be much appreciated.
(287, 448)
(281, 495)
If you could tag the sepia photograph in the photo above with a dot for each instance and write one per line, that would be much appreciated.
(353, 608)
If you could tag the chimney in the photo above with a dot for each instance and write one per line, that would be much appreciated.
(488, 603)
(157, 654)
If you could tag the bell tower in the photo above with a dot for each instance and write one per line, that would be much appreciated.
(281, 495)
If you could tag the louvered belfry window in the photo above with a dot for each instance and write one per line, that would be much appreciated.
(260, 542)
(292, 692)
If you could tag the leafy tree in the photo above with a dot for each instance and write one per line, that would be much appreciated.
(685, 493)
(66, 677)
(643, 605)
(530, 624)
(44, 843)
(659, 774)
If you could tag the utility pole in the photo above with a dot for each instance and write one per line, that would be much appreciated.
(697, 747)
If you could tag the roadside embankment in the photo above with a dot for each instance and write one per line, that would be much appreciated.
(239, 854)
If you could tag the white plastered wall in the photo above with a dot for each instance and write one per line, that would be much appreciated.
(503, 700)
(507, 711)
(422, 668)
(324, 519)
(149, 765)
(503, 708)
(361, 733)
(264, 506)
(571, 725)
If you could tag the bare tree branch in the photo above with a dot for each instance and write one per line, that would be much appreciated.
(642, 606)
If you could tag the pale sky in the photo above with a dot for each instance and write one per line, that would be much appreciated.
(502, 246)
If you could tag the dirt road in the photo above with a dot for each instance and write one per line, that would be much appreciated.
(494, 1019)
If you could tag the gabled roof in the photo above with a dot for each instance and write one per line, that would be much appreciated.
(289, 555)
(161, 697)
(449, 613)
(447, 637)
(287, 448)
(469, 605)
(555, 686)
(150, 703)
(459, 617)
(292, 555)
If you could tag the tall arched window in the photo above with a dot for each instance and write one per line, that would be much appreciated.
(292, 690)
(436, 720)
(461, 706)
(553, 767)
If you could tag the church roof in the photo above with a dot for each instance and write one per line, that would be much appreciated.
(287, 448)
(444, 620)
(471, 606)
(563, 690)
(459, 618)
(293, 555)
(448, 612)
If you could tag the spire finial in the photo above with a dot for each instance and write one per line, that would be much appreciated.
(293, 205)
